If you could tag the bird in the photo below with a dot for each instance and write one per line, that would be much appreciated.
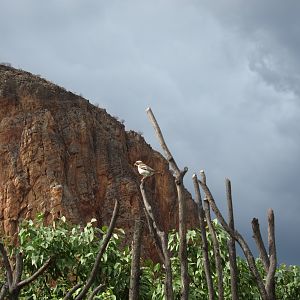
(144, 170)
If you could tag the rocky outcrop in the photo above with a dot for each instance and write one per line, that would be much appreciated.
(61, 155)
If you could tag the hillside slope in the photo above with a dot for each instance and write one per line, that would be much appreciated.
(61, 155)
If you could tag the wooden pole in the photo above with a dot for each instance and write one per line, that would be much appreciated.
(231, 244)
(204, 243)
(179, 174)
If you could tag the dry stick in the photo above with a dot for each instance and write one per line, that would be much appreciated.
(72, 291)
(260, 244)
(136, 256)
(95, 291)
(163, 253)
(161, 242)
(155, 236)
(14, 285)
(8, 269)
(39, 272)
(269, 262)
(3, 290)
(216, 248)
(181, 207)
(204, 243)
(19, 268)
(238, 237)
(231, 244)
(168, 281)
(100, 252)
(270, 280)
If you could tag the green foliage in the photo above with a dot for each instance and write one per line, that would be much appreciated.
(287, 278)
(288, 282)
(74, 249)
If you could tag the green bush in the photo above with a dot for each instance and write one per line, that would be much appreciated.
(74, 249)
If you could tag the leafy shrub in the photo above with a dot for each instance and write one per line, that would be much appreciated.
(74, 249)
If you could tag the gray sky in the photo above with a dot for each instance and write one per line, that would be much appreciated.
(222, 77)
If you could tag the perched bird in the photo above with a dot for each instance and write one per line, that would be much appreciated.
(144, 170)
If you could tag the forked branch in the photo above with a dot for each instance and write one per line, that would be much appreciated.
(179, 174)
(260, 244)
(14, 284)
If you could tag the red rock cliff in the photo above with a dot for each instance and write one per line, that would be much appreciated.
(61, 155)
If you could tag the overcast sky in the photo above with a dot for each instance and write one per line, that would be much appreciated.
(222, 78)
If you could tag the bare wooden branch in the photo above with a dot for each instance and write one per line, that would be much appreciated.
(39, 272)
(162, 140)
(135, 263)
(72, 291)
(152, 223)
(216, 248)
(13, 285)
(183, 242)
(168, 280)
(8, 269)
(203, 176)
(161, 241)
(3, 290)
(270, 280)
(181, 207)
(260, 244)
(204, 243)
(18, 268)
(231, 245)
(241, 241)
(95, 291)
(101, 251)
(155, 237)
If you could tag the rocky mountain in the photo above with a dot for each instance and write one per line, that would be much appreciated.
(61, 155)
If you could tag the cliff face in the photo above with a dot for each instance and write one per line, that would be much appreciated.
(61, 155)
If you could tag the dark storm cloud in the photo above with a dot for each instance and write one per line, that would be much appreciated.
(272, 28)
(222, 79)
